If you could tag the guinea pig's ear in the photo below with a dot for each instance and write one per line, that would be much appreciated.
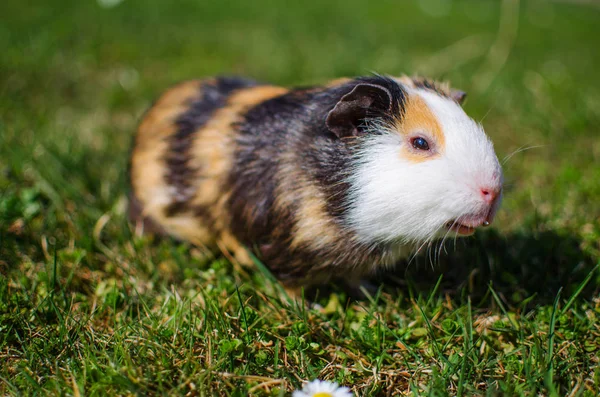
(365, 99)
(458, 96)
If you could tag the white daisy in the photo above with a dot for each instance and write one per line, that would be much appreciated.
(322, 388)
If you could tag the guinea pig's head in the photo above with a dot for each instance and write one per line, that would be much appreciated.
(422, 169)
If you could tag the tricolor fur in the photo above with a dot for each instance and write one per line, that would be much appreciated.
(316, 181)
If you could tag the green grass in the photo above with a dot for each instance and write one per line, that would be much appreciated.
(88, 308)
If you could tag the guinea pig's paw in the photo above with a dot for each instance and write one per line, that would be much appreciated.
(297, 296)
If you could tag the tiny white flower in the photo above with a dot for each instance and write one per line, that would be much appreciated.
(322, 388)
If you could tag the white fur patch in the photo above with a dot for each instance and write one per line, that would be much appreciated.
(395, 200)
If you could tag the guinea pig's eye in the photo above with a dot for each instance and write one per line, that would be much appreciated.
(419, 143)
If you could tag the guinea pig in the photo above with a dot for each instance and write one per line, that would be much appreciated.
(334, 180)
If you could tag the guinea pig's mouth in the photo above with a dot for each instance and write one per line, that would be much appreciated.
(465, 228)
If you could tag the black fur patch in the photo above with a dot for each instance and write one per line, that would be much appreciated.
(431, 86)
(180, 175)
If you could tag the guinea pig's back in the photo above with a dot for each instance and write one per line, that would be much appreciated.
(183, 154)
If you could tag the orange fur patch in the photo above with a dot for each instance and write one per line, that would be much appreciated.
(254, 96)
(418, 118)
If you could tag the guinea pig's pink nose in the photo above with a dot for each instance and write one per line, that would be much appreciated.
(490, 194)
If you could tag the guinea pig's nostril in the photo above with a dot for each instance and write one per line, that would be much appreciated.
(489, 195)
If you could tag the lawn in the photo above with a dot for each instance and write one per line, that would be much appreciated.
(89, 308)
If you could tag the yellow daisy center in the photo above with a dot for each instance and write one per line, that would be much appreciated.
(322, 394)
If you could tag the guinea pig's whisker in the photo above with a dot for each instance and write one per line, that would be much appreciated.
(427, 243)
(418, 250)
(486, 114)
(519, 150)
(431, 250)
(439, 251)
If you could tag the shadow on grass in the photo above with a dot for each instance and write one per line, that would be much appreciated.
(520, 267)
